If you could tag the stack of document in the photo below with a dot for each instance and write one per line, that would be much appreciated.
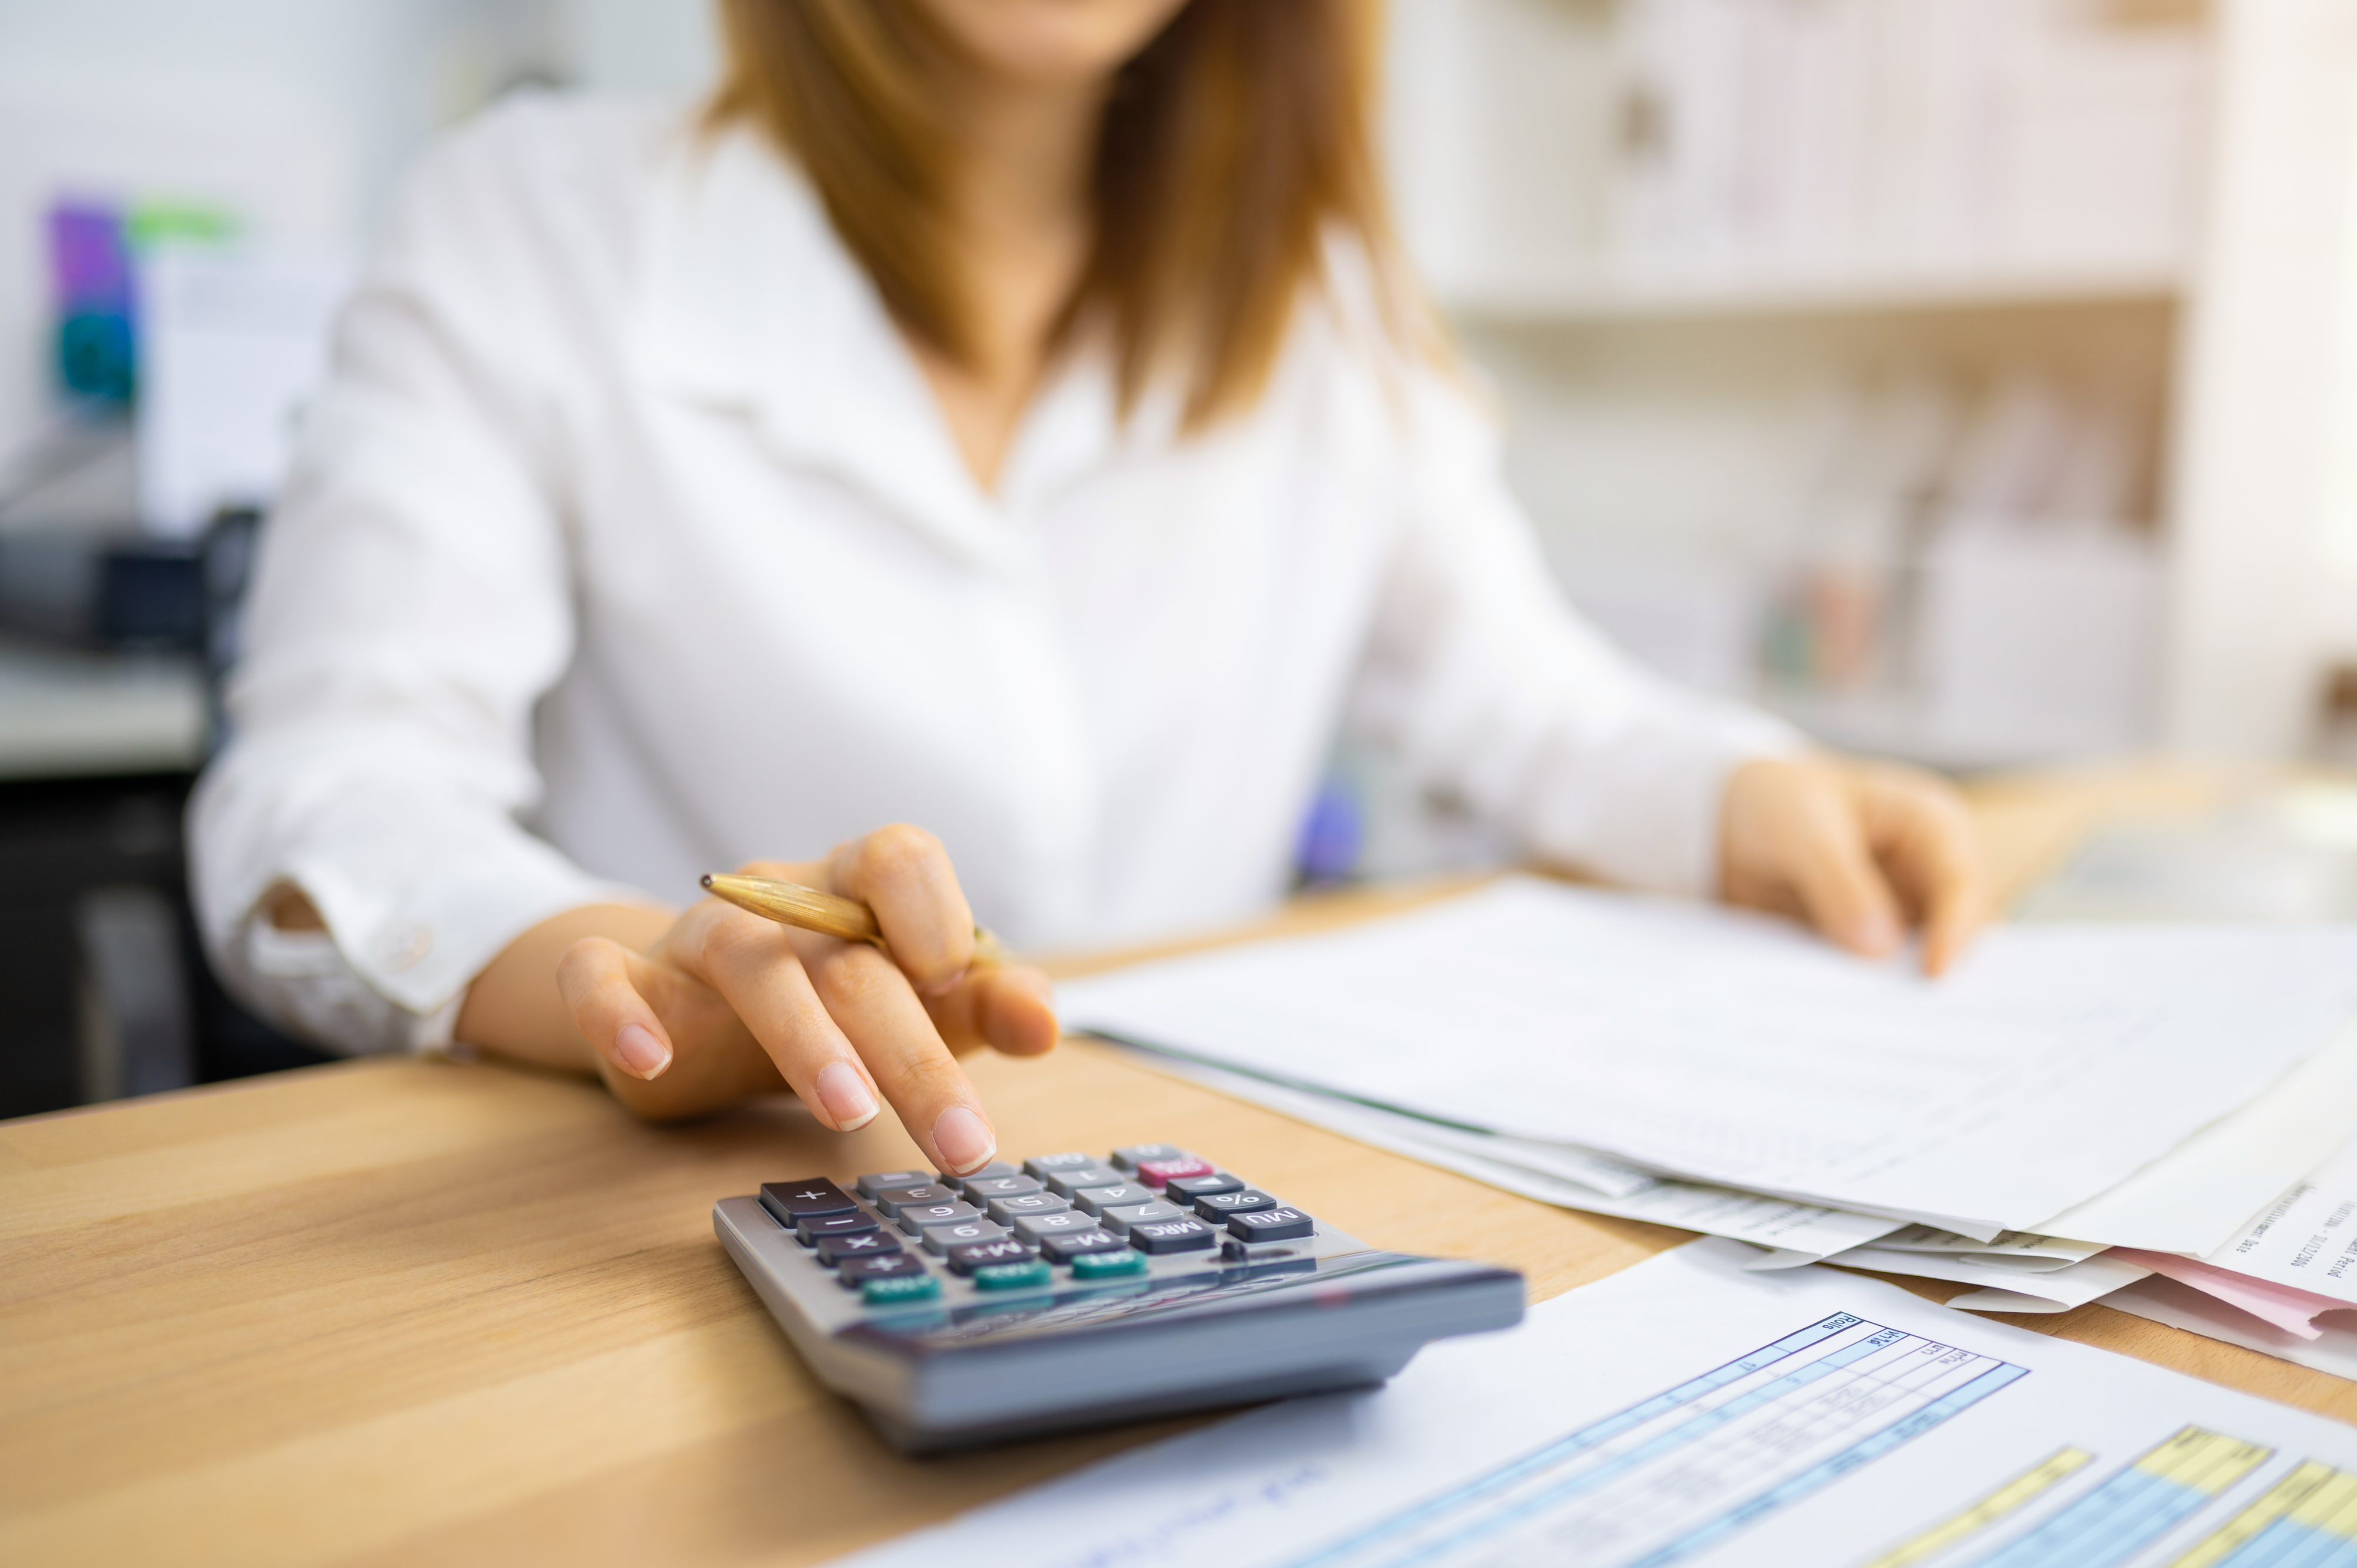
(2074, 1107)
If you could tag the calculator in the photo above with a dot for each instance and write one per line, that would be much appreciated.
(1073, 1290)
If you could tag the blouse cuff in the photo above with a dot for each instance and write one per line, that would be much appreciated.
(1653, 819)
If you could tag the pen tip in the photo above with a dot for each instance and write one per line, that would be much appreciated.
(704, 880)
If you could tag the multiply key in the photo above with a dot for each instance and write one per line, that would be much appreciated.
(790, 1201)
(1280, 1224)
(1181, 1235)
(973, 1255)
(1155, 1173)
(867, 1244)
(811, 1228)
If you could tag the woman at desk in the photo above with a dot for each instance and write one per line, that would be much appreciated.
(1008, 417)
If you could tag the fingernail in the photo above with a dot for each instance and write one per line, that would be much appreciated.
(639, 1052)
(963, 1141)
(845, 1095)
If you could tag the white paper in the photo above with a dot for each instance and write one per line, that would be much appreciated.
(2307, 1238)
(1808, 1231)
(1686, 1410)
(2334, 1349)
(2058, 1290)
(2203, 1194)
(2012, 1249)
(1739, 1050)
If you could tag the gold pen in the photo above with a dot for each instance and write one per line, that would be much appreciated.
(829, 914)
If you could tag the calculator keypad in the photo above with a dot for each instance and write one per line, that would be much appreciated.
(1005, 1230)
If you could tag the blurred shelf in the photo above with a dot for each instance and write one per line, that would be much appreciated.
(1882, 723)
(65, 713)
(1555, 297)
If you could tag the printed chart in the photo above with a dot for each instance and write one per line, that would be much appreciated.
(1678, 1474)
(1683, 1473)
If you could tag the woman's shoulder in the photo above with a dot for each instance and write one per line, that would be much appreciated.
(541, 156)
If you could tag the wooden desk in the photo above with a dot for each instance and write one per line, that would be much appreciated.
(414, 1311)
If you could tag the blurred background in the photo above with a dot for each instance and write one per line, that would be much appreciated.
(1972, 381)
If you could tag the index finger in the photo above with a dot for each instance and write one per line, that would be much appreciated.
(870, 1001)
(904, 875)
(1928, 838)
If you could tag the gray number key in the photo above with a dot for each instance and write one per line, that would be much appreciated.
(915, 1217)
(1045, 1165)
(982, 1189)
(1006, 1210)
(1071, 1183)
(1036, 1228)
(1126, 1159)
(1121, 1195)
(892, 1198)
(1120, 1221)
(939, 1239)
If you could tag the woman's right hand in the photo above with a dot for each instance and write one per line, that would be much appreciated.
(724, 1004)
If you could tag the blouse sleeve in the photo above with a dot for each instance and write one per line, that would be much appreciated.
(1481, 676)
(411, 605)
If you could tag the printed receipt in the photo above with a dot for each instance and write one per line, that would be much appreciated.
(2307, 1238)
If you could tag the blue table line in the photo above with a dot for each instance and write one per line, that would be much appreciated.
(1573, 1443)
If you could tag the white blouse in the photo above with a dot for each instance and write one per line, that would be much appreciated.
(628, 543)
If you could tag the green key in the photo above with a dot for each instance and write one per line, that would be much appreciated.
(1108, 1266)
(893, 1289)
(1024, 1276)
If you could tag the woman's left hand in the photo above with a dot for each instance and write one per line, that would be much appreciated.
(1860, 850)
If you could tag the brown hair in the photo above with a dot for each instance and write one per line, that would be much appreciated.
(1230, 147)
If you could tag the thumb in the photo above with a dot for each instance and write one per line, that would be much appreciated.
(1839, 885)
(593, 977)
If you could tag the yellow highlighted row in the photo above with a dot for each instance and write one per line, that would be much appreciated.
(2204, 1461)
(2315, 1495)
(2008, 1498)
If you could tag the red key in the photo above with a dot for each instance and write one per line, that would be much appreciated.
(1154, 1173)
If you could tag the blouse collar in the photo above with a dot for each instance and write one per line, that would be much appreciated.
(749, 301)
